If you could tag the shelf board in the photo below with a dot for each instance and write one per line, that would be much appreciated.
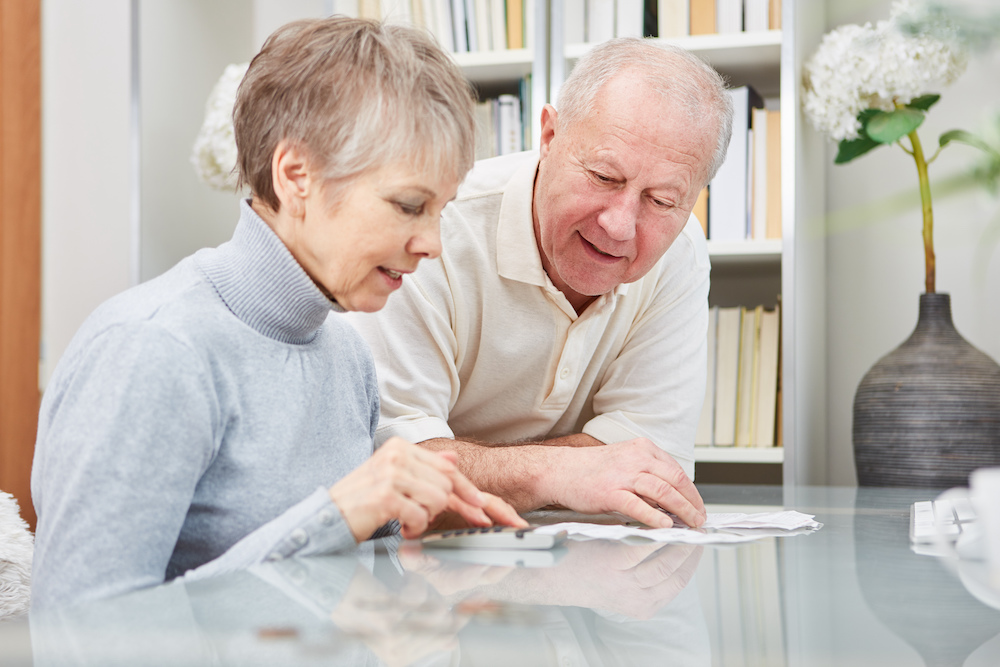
(485, 67)
(739, 454)
(767, 251)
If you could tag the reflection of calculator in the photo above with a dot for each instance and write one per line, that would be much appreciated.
(492, 537)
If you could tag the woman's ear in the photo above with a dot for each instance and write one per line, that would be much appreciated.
(290, 177)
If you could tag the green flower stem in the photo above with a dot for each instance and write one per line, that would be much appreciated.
(925, 201)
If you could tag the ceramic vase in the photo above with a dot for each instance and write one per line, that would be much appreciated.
(928, 413)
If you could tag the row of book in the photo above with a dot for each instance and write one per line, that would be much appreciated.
(459, 25)
(492, 25)
(678, 18)
(743, 201)
(742, 396)
(501, 126)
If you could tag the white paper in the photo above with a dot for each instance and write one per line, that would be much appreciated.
(719, 528)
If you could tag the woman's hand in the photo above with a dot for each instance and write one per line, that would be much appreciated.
(414, 485)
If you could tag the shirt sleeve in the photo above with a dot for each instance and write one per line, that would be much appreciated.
(655, 387)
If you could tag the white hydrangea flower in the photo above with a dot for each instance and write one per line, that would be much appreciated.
(874, 67)
(214, 151)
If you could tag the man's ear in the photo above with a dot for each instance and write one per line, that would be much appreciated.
(550, 123)
(290, 177)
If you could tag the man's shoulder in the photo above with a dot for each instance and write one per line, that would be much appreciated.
(491, 176)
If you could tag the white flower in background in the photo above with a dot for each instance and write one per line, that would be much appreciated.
(214, 151)
(865, 67)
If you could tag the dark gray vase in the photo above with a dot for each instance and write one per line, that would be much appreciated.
(928, 413)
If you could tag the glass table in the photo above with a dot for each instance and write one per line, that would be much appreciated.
(851, 593)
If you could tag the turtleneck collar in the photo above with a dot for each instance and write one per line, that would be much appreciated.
(261, 283)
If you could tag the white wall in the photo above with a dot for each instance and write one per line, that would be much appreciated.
(86, 164)
(875, 260)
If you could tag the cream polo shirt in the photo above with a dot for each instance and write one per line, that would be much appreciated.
(480, 344)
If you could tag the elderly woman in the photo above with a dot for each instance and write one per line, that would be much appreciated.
(197, 421)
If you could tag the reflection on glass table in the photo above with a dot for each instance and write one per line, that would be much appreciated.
(852, 593)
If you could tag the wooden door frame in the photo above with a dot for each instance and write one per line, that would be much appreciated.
(20, 243)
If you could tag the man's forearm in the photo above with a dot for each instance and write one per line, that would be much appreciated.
(517, 472)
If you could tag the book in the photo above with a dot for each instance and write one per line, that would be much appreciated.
(509, 134)
(529, 23)
(484, 31)
(756, 17)
(574, 22)
(702, 17)
(727, 203)
(458, 23)
(706, 423)
(773, 215)
(498, 25)
(727, 368)
(758, 174)
(629, 18)
(700, 210)
(600, 20)
(345, 7)
(728, 16)
(774, 15)
(746, 390)
(515, 24)
(672, 18)
(396, 11)
(767, 378)
(369, 9)
(486, 139)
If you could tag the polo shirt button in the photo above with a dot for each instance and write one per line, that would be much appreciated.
(299, 537)
(564, 373)
(326, 518)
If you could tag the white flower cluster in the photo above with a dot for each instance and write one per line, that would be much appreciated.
(214, 152)
(874, 67)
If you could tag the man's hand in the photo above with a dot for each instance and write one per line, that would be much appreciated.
(633, 477)
(405, 482)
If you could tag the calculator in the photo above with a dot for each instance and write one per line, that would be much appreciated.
(493, 537)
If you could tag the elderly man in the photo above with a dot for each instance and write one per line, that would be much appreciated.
(559, 343)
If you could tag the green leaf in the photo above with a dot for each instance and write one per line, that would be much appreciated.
(970, 139)
(924, 102)
(888, 127)
(852, 148)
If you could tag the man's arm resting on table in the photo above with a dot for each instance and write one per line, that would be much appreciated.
(581, 473)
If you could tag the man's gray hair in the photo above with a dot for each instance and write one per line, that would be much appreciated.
(676, 74)
(355, 95)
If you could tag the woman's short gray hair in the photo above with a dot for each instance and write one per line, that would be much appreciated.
(354, 95)
(675, 73)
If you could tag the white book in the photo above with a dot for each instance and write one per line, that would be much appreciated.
(486, 137)
(471, 32)
(484, 31)
(672, 18)
(574, 21)
(509, 124)
(628, 18)
(746, 382)
(498, 25)
(767, 380)
(459, 27)
(418, 14)
(600, 20)
(727, 201)
(758, 175)
(727, 365)
(346, 8)
(728, 16)
(706, 423)
(443, 30)
(756, 17)
(529, 24)
(396, 11)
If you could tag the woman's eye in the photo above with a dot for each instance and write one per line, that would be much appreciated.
(410, 209)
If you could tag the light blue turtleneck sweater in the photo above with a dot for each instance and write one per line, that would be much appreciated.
(196, 421)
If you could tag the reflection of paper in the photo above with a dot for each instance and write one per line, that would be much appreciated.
(719, 528)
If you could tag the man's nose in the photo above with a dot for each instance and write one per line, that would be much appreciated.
(619, 216)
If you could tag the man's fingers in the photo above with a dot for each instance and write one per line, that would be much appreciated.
(631, 505)
(669, 498)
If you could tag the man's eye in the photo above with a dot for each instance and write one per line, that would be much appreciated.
(602, 178)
